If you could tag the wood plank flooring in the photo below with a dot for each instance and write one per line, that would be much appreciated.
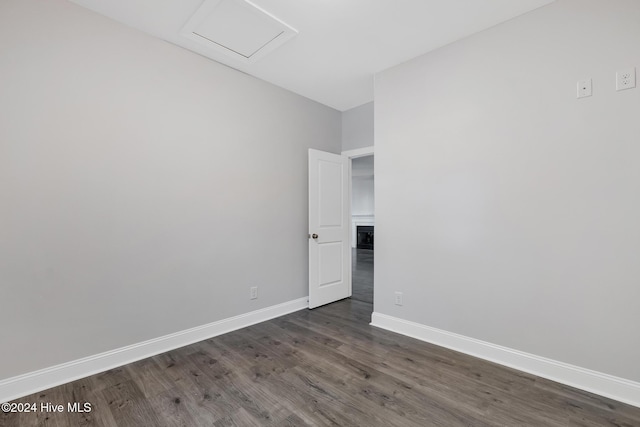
(362, 275)
(319, 368)
(325, 367)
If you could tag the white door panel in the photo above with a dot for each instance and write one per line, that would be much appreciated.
(330, 258)
(330, 205)
(329, 274)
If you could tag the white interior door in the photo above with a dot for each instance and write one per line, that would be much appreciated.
(329, 269)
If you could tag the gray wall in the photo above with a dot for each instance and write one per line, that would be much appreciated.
(143, 188)
(362, 185)
(526, 198)
(357, 127)
(362, 195)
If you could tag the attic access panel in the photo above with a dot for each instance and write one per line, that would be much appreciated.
(237, 28)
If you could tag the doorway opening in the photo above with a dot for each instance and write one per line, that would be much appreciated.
(362, 184)
(333, 227)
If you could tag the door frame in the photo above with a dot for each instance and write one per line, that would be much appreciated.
(350, 155)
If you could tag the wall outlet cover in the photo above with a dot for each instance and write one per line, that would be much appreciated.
(398, 298)
(585, 88)
(626, 79)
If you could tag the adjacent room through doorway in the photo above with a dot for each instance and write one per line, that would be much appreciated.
(363, 228)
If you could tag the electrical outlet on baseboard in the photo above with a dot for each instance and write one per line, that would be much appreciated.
(398, 298)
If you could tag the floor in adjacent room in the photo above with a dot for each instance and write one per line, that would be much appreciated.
(362, 275)
(322, 367)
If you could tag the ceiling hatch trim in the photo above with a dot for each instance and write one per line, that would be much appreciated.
(238, 29)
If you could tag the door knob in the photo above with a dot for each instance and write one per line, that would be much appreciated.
(314, 235)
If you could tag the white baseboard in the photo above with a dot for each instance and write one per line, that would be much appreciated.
(619, 389)
(43, 379)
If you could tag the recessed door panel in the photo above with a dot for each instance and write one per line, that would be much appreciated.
(330, 261)
(330, 207)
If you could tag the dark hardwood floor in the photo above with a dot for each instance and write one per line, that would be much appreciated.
(362, 275)
(325, 367)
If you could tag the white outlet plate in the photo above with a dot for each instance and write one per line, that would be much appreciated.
(626, 79)
(585, 88)
(253, 292)
(398, 298)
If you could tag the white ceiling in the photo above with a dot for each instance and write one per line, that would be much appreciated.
(340, 44)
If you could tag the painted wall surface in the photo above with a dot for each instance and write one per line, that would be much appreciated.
(362, 195)
(143, 188)
(357, 127)
(526, 198)
(362, 186)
